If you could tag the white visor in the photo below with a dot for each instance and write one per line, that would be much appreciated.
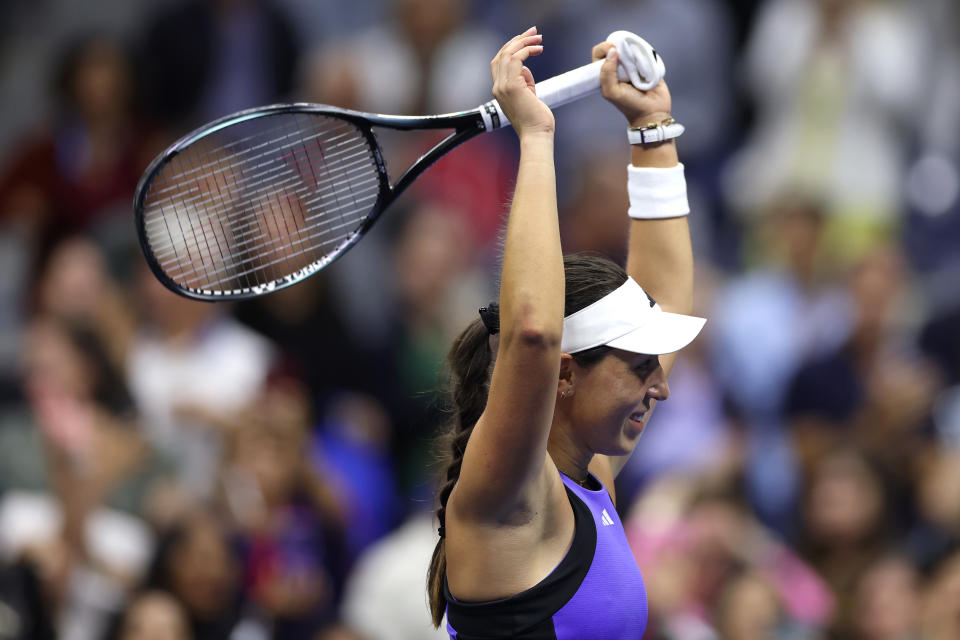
(625, 319)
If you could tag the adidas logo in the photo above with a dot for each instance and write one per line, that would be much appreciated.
(606, 519)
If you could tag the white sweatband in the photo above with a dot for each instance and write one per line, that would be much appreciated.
(657, 193)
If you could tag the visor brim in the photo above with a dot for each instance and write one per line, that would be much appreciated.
(663, 333)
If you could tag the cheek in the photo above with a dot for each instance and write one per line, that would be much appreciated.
(611, 398)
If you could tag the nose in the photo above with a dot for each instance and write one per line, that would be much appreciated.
(659, 390)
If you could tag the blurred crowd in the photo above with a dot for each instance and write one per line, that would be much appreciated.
(178, 470)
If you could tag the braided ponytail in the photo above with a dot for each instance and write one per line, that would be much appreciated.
(470, 360)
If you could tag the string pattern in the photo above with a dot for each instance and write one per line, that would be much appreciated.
(260, 203)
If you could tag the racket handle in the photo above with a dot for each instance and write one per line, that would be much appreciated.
(555, 91)
(570, 86)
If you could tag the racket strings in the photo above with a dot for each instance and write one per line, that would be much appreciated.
(259, 200)
(262, 226)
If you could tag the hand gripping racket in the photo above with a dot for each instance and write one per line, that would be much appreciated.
(261, 199)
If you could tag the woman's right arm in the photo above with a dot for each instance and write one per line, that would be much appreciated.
(503, 465)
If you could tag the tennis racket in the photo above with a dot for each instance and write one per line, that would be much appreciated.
(261, 199)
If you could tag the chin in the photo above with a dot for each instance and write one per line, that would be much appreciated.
(624, 446)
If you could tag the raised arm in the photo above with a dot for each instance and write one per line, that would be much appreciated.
(659, 256)
(504, 460)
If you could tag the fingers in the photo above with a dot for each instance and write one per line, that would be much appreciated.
(609, 83)
(520, 47)
(513, 42)
(507, 65)
(527, 77)
(600, 50)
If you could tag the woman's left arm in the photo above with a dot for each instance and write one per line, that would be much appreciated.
(660, 256)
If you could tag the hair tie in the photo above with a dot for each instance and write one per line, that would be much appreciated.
(442, 531)
(490, 315)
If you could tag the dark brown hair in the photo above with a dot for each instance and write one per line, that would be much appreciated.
(587, 278)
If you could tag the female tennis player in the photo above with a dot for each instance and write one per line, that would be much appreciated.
(530, 542)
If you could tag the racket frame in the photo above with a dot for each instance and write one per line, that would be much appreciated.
(555, 91)
(465, 125)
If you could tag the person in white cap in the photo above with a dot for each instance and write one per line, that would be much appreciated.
(553, 386)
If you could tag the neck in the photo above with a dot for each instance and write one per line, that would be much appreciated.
(572, 458)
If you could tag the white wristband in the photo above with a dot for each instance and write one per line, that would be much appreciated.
(657, 193)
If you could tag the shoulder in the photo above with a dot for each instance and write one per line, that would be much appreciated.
(604, 469)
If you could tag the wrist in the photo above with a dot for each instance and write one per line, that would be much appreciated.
(654, 133)
(661, 155)
(649, 118)
(536, 138)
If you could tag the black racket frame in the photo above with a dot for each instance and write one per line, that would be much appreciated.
(465, 125)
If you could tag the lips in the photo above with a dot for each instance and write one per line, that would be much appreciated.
(637, 416)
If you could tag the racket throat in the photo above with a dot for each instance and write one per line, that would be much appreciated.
(427, 159)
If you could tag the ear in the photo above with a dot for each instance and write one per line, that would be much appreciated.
(566, 378)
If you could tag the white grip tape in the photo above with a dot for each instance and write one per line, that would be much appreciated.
(639, 64)
(657, 193)
(570, 86)
(555, 91)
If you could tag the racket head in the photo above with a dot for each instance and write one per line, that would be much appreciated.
(259, 200)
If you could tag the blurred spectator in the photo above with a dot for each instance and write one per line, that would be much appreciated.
(784, 306)
(437, 287)
(846, 525)
(290, 522)
(353, 445)
(413, 63)
(592, 218)
(940, 616)
(835, 84)
(765, 323)
(81, 172)
(77, 478)
(74, 283)
(339, 632)
(384, 597)
(935, 526)
(202, 59)
(874, 390)
(191, 366)
(198, 562)
(335, 20)
(76, 173)
(26, 612)
(940, 342)
(308, 326)
(887, 603)
(690, 538)
(749, 608)
(694, 437)
(933, 180)
(154, 615)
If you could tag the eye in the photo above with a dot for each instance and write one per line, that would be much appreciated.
(646, 366)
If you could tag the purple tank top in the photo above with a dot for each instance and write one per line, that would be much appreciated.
(595, 592)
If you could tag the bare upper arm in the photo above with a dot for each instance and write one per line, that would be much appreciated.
(503, 467)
